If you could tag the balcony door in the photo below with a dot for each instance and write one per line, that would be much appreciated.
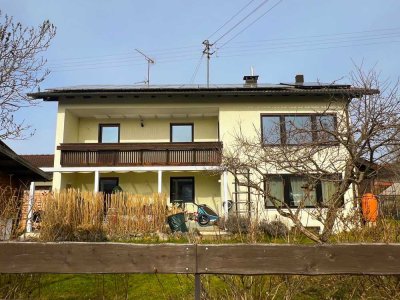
(182, 189)
(181, 133)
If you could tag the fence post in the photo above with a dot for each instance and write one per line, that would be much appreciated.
(197, 286)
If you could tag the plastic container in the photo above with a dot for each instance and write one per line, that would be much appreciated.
(177, 222)
(369, 206)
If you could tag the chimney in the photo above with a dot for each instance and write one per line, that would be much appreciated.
(250, 80)
(299, 79)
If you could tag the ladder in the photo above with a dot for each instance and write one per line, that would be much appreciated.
(243, 203)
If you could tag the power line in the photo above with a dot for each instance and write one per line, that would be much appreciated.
(186, 51)
(131, 59)
(311, 42)
(227, 22)
(237, 53)
(242, 20)
(125, 54)
(288, 50)
(323, 35)
(196, 69)
(240, 32)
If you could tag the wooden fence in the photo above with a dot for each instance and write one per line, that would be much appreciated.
(247, 259)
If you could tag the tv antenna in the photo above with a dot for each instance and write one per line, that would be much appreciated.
(149, 61)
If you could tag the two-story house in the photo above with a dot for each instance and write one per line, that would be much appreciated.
(169, 139)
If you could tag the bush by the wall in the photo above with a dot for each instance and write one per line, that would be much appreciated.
(274, 229)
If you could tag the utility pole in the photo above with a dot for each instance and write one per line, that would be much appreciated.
(149, 61)
(207, 48)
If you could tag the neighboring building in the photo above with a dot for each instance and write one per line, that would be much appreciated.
(16, 176)
(170, 138)
(41, 189)
(383, 181)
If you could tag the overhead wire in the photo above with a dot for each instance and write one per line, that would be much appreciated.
(311, 42)
(230, 19)
(118, 60)
(323, 35)
(179, 51)
(243, 52)
(122, 55)
(196, 69)
(241, 21)
(257, 19)
(336, 40)
(288, 50)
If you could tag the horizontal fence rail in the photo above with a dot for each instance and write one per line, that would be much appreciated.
(257, 259)
(140, 154)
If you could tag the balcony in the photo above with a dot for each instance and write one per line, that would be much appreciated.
(141, 154)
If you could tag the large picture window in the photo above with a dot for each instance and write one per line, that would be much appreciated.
(181, 133)
(182, 189)
(296, 190)
(297, 129)
(109, 133)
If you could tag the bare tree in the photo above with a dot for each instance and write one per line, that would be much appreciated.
(21, 70)
(327, 153)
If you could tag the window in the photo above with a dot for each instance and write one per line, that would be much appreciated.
(182, 189)
(294, 189)
(181, 133)
(325, 124)
(297, 129)
(109, 133)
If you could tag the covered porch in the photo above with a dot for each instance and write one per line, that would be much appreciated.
(198, 184)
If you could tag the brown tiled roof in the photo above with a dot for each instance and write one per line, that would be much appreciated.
(40, 160)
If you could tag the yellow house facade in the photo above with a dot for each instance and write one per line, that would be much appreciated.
(170, 139)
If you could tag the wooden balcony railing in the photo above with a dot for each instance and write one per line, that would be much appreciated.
(140, 154)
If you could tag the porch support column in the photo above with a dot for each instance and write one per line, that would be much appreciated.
(159, 190)
(96, 181)
(31, 201)
(225, 187)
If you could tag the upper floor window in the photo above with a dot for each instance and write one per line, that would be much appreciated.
(109, 133)
(297, 129)
(295, 190)
(181, 133)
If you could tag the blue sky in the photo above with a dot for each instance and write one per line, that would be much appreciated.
(96, 39)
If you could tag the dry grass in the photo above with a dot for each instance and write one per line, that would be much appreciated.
(10, 210)
(72, 215)
(130, 214)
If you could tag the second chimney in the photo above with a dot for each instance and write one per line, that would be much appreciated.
(299, 79)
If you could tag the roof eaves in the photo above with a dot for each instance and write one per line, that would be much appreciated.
(11, 154)
(54, 95)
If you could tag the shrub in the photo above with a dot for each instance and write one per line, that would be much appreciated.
(237, 224)
(275, 229)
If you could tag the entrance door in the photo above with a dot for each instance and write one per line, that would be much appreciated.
(182, 189)
(107, 185)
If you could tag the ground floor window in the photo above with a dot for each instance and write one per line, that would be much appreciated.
(182, 189)
(294, 190)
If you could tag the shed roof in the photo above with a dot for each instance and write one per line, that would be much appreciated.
(12, 163)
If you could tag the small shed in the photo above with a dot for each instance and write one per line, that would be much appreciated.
(16, 175)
